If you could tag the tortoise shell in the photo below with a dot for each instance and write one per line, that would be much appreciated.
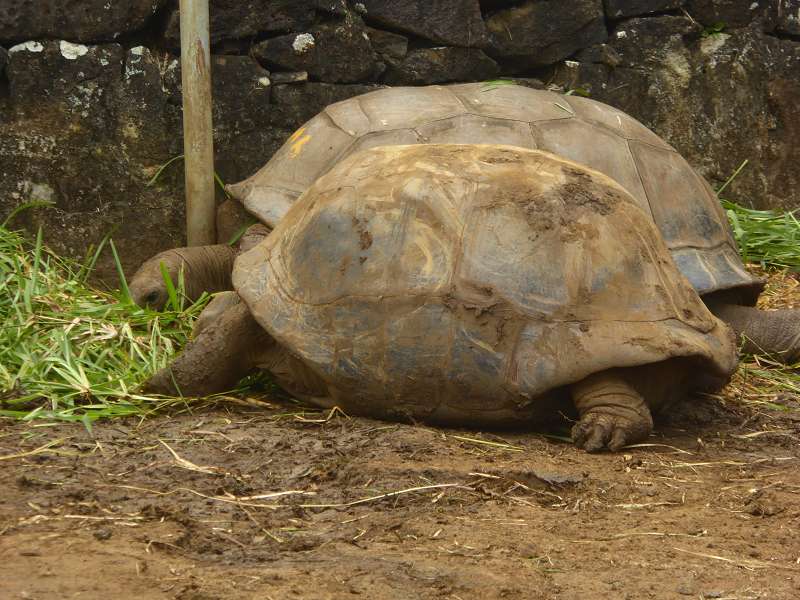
(471, 283)
(682, 204)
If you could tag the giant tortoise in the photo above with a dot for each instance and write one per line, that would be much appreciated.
(476, 284)
(677, 199)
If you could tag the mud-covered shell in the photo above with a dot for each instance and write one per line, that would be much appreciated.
(468, 282)
(680, 202)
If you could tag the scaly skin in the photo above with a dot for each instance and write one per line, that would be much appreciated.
(214, 310)
(612, 413)
(224, 352)
(772, 332)
(205, 269)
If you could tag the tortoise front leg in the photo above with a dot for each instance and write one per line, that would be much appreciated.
(224, 352)
(612, 413)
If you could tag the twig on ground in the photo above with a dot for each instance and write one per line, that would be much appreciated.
(749, 564)
(185, 464)
(41, 449)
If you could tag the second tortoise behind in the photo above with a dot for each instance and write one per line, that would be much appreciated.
(590, 133)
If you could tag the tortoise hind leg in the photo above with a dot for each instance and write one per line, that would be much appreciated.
(775, 333)
(612, 413)
(222, 353)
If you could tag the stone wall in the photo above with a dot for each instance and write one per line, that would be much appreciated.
(90, 91)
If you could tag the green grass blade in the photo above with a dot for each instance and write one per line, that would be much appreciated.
(172, 293)
(30, 283)
(240, 232)
(221, 184)
(72, 353)
(732, 177)
(123, 283)
(764, 236)
(88, 265)
(162, 168)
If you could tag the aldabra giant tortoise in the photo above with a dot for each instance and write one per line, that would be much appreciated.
(472, 284)
(680, 202)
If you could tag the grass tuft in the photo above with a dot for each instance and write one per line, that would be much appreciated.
(765, 237)
(70, 352)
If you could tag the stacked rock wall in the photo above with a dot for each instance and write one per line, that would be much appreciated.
(90, 91)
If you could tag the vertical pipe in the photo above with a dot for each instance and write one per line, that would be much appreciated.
(198, 141)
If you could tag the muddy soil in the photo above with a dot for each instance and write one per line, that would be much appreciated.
(275, 502)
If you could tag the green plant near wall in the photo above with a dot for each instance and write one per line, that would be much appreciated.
(765, 237)
(714, 29)
(71, 352)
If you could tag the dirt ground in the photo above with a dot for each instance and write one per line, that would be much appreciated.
(272, 502)
(262, 499)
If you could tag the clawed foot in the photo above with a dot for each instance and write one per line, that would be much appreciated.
(612, 412)
(608, 428)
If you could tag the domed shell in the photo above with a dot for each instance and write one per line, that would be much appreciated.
(680, 202)
(471, 282)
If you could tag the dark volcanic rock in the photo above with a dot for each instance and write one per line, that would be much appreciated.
(440, 65)
(83, 21)
(718, 99)
(338, 52)
(391, 47)
(294, 104)
(637, 42)
(734, 13)
(243, 124)
(68, 79)
(452, 22)
(145, 109)
(541, 32)
(617, 9)
(789, 16)
(238, 19)
(334, 7)
(600, 53)
(3, 60)
(91, 126)
(289, 77)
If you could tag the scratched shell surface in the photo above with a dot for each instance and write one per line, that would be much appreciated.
(680, 202)
(467, 282)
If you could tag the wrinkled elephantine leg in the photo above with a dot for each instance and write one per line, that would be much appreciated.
(612, 413)
(772, 332)
(224, 352)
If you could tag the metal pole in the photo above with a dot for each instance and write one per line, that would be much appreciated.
(198, 141)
